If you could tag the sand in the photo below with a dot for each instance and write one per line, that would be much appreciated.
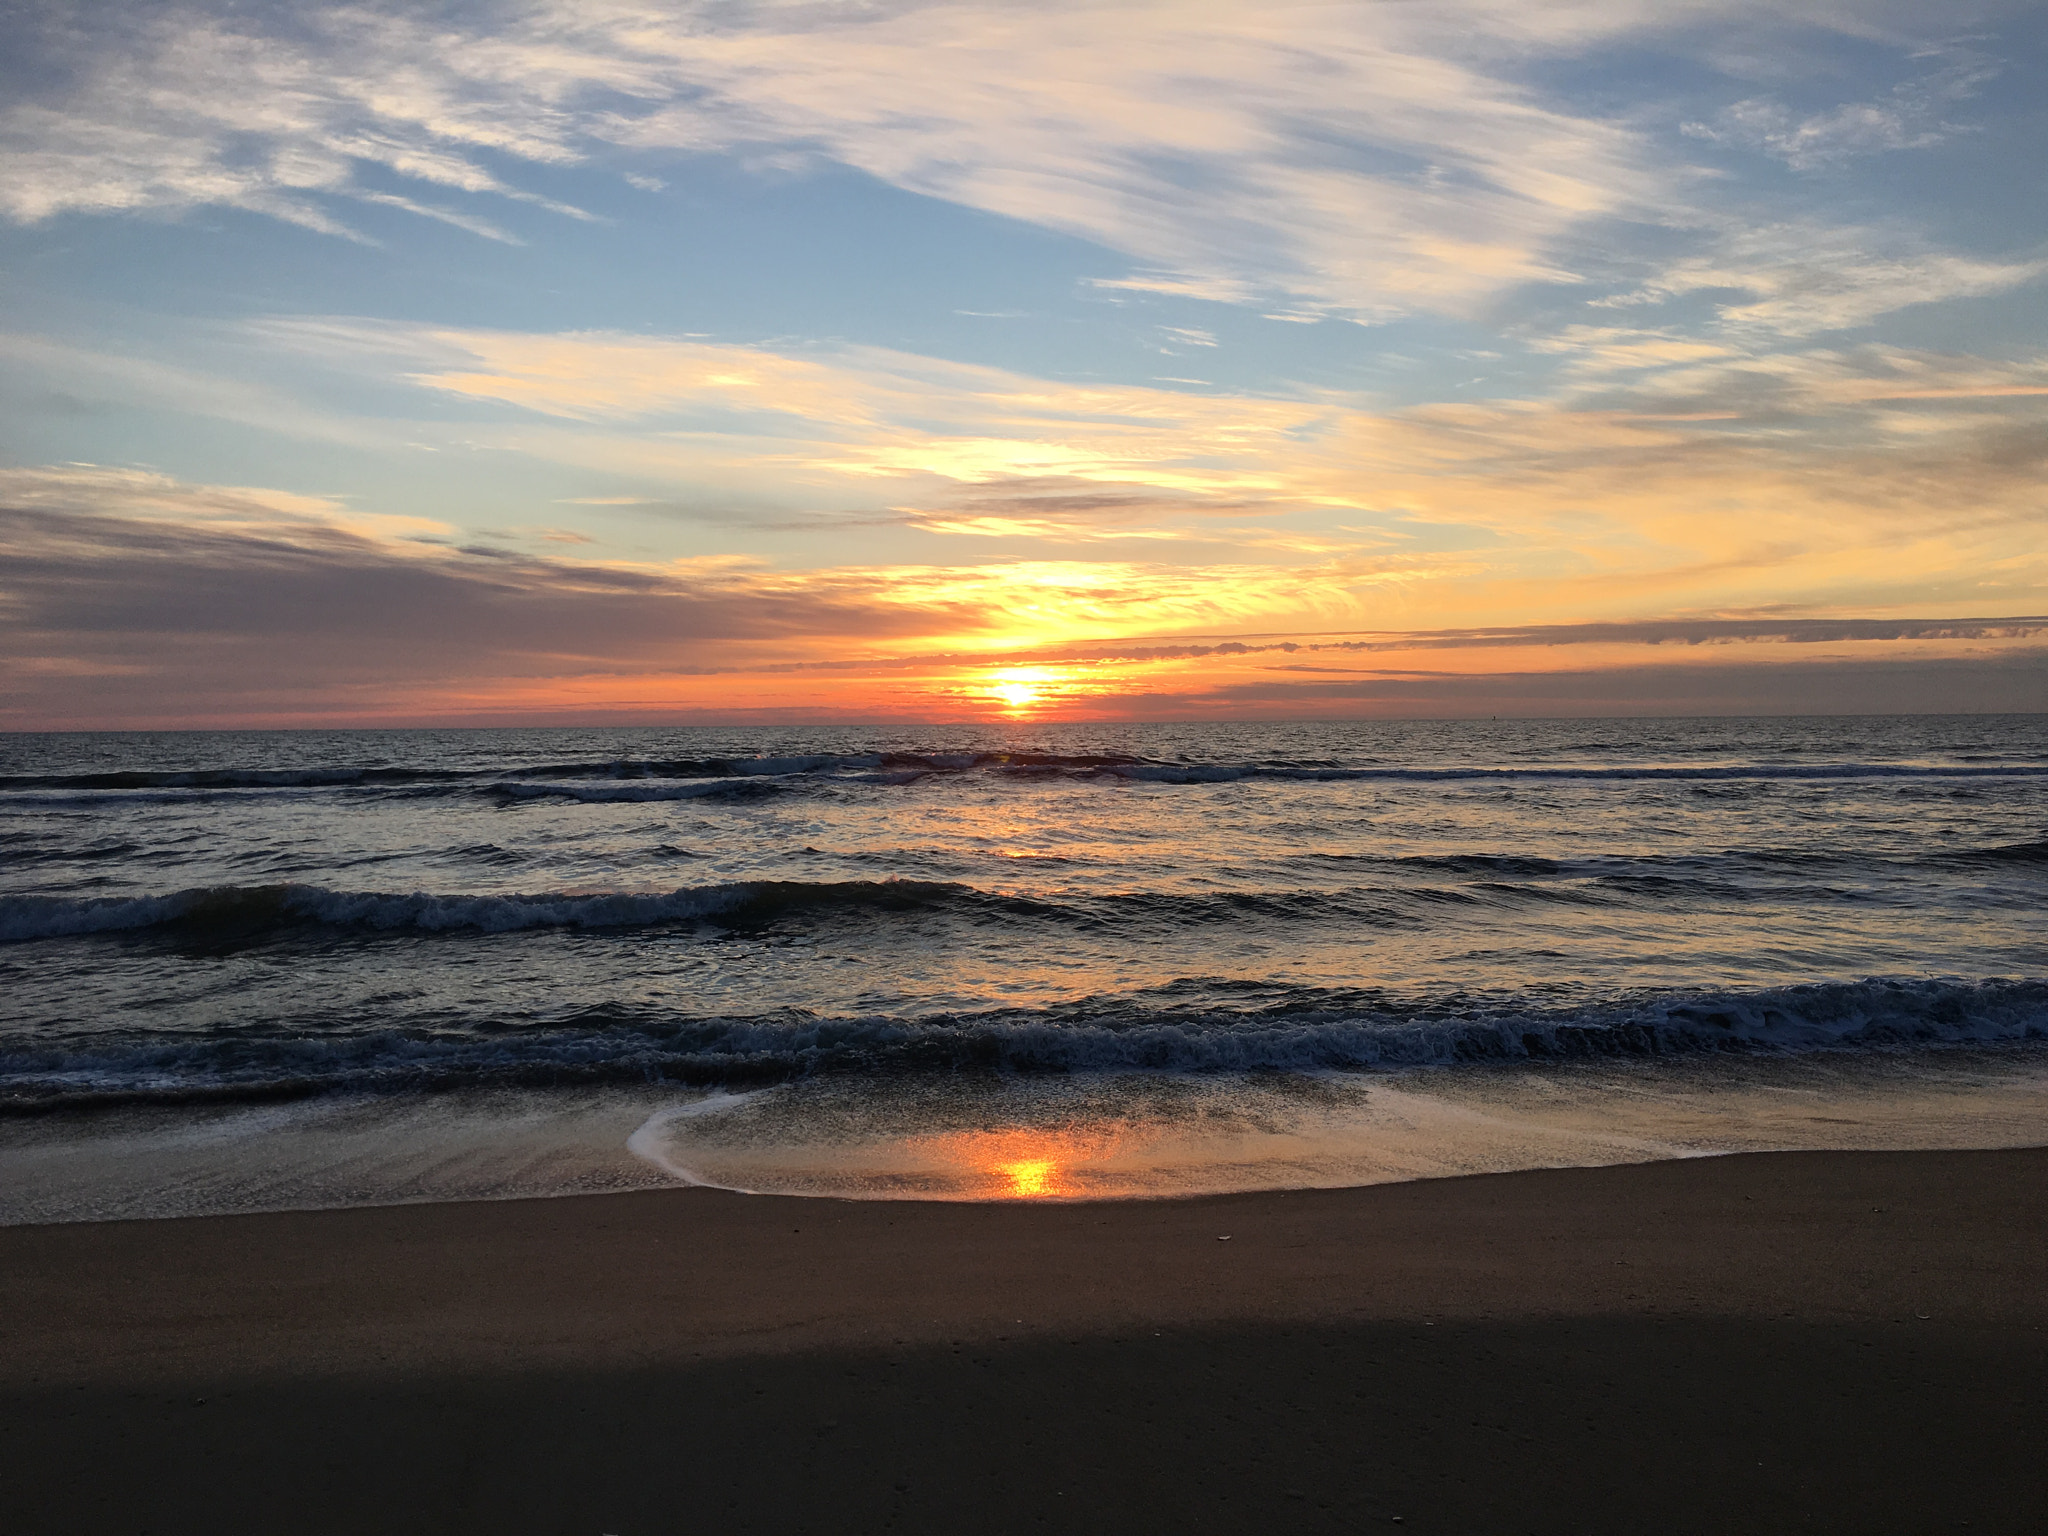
(1843, 1342)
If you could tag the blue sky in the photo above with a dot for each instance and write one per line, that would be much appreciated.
(795, 360)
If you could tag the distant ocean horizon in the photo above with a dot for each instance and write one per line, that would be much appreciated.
(895, 914)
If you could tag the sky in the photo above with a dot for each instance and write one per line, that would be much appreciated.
(707, 361)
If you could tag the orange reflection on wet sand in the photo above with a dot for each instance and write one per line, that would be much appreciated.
(1024, 1164)
(1031, 1177)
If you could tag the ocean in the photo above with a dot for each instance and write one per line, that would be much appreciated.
(242, 970)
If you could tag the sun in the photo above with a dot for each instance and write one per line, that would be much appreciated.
(1022, 689)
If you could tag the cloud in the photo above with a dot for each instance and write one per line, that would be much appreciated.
(1909, 116)
(90, 378)
(53, 494)
(1659, 475)
(1308, 159)
(1795, 280)
(229, 598)
(2012, 682)
(1813, 435)
(1346, 156)
(138, 601)
(1074, 507)
(132, 598)
(852, 415)
(1659, 632)
(1660, 472)
(172, 108)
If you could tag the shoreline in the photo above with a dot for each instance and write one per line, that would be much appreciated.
(967, 1137)
(1853, 1341)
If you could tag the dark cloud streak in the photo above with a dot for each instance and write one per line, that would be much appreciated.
(2012, 683)
(112, 616)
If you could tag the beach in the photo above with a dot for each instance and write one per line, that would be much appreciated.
(681, 854)
(1783, 1341)
(1564, 1127)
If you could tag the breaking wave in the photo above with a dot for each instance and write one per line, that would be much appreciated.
(1307, 1031)
(1414, 888)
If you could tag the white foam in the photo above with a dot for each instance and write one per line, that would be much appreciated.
(1148, 1137)
(326, 1153)
(655, 1139)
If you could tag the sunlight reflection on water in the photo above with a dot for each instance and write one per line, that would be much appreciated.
(1138, 1136)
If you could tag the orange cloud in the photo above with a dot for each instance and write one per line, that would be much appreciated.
(130, 599)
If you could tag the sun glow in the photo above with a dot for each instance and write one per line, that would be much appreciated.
(1024, 689)
(1019, 1163)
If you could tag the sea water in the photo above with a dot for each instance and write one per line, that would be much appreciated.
(317, 967)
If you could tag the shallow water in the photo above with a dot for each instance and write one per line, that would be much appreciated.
(1126, 1136)
(884, 918)
(1000, 1136)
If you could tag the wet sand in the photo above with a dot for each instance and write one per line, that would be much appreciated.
(1853, 1342)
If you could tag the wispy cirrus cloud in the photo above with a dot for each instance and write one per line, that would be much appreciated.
(1370, 160)
(848, 415)
(1773, 282)
(185, 106)
(1366, 161)
(1912, 115)
(52, 493)
(1351, 156)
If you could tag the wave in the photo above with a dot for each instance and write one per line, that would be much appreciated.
(584, 780)
(242, 913)
(1218, 773)
(1464, 863)
(1303, 1031)
(1416, 886)
(234, 778)
(630, 793)
(247, 910)
(2010, 853)
(622, 768)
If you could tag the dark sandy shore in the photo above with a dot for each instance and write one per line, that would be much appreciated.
(1847, 1342)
